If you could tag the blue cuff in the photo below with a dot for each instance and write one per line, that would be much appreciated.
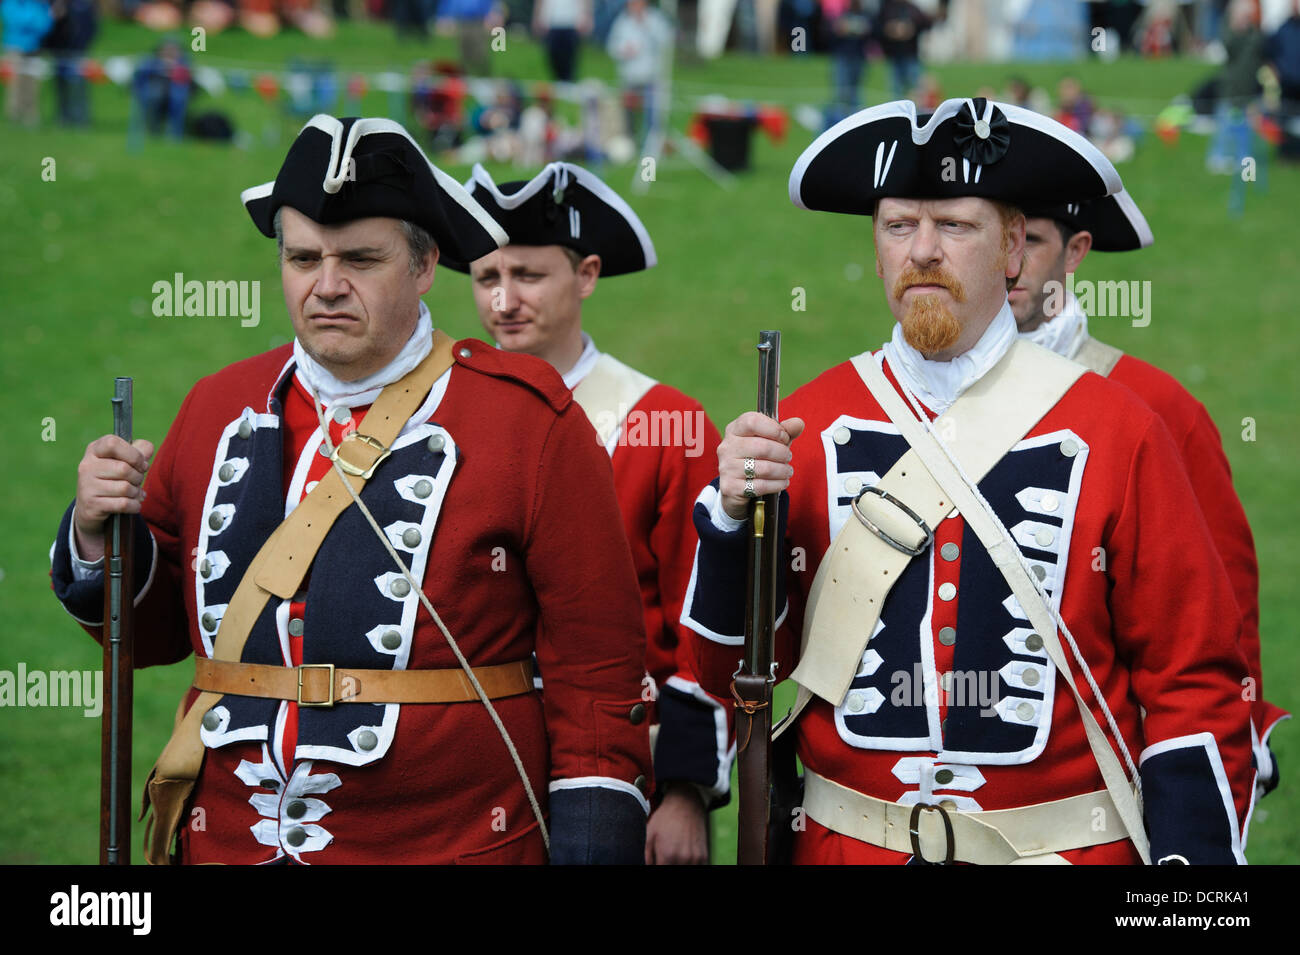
(1188, 805)
(84, 599)
(592, 825)
(687, 747)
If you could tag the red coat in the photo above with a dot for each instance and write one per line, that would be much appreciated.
(520, 551)
(1130, 561)
(1201, 448)
(660, 467)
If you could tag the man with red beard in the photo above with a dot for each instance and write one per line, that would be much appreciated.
(1058, 236)
(999, 546)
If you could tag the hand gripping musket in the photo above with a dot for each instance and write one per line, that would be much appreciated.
(753, 681)
(119, 613)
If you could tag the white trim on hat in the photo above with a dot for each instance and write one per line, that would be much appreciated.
(946, 110)
(257, 192)
(1135, 217)
(589, 180)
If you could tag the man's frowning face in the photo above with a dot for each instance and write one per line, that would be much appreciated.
(944, 263)
(350, 291)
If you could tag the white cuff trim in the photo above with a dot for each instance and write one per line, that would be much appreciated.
(602, 782)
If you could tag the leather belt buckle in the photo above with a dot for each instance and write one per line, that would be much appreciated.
(914, 830)
(893, 542)
(316, 666)
(352, 469)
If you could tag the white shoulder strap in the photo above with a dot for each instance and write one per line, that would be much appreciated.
(1098, 356)
(1007, 558)
(608, 393)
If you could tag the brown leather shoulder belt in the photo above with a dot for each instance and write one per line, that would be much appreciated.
(324, 684)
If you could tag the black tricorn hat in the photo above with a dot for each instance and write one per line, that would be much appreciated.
(1116, 223)
(340, 170)
(565, 205)
(967, 147)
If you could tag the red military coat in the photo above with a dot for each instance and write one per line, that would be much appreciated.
(1201, 447)
(1097, 499)
(519, 544)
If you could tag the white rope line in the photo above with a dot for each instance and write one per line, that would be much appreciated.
(1135, 778)
(455, 648)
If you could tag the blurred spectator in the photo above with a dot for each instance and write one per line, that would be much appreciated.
(898, 30)
(438, 104)
(161, 90)
(1157, 32)
(1075, 106)
(474, 21)
(929, 94)
(410, 18)
(26, 22)
(850, 29)
(1020, 93)
(561, 25)
(75, 25)
(1238, 87)
(1283, 51)
(640, 41)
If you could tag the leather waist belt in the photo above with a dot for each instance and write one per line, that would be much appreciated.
(324, 684)
(932, 833)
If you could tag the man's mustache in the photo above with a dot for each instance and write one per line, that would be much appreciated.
(913, 276)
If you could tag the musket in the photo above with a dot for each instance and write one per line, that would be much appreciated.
(119, 604)
(752, 685)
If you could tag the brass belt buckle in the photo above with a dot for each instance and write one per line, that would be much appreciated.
(914, 830)
(892, 542)
(316, 666)
(352, 468)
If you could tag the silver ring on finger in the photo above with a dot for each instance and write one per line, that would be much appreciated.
(749, 469)
(749, 490)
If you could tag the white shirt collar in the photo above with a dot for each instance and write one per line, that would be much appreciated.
(358, 394)
(937, 384)
(582, 367)
(1065, 333)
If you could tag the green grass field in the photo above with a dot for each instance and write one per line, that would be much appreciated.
(79, 256)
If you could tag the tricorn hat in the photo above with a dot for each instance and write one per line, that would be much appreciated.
(966, 147)
(1116, 223)
(565, 205)
(340, 170)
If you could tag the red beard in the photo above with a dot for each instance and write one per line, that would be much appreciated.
(929, 325)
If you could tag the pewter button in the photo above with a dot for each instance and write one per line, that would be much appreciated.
(636, 715)
(1030, 677)
(245, 429)
(211, 721)
(296, 809)
(295, 627)
(1039, 571)
(948, 804)
(271, 784)
(949, 551)
(982, 129)
(296, 837)
(411, 537)
(436, 443)
(947, 590)
(841, 436)
(641, 784)
(367, 740)
(391, 640)
(215, 520)
(947, 636)
(943, 777)
(205, 568)
(209, 622)
(1033, 642)
(342, 415)
(945, 681)
(423, 489)
(465, 353)
(399, 587)
(226, 472)
(1025, 711)
(1050, 502)
(856, 702)
(1043, 537)
(853, 485)
(324, 450)
(1069, 447)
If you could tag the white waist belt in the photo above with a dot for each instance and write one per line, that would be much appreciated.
(1028, 834)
